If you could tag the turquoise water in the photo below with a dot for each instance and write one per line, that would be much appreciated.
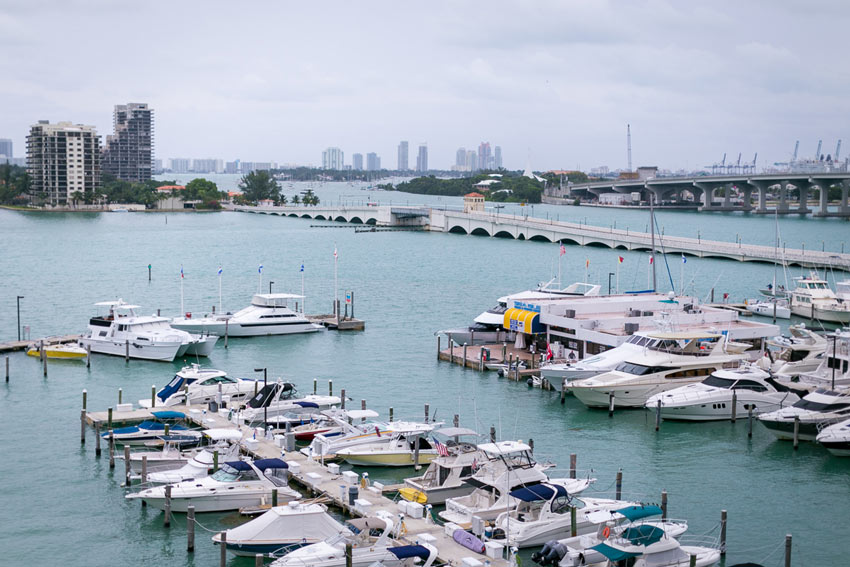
(62, 503)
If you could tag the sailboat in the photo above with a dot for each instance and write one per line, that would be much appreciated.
(776, 305)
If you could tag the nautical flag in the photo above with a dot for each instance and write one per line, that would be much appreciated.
(302, 266)
(377, 431)
(587, 263)
(260, 269)
(219, 270)
(620, 259)
(684, 260)
(651, 259)
(549, 354)
(335, 254)
(181, 272)
(563, 250)
(442, 450)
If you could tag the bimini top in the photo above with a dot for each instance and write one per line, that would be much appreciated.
(645, 534)
(633, 513)
(273, 299)
(539, 492)
(361, 524)
(307, 404)
(613, 553)
(261, 464)
(456, 431)
(504, 448)
(224, 434)
(355, 414)
(407, 551)
(168, 415)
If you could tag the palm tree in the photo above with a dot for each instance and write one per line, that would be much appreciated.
(295, 200)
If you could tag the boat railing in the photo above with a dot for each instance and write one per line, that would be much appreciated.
(705, 540)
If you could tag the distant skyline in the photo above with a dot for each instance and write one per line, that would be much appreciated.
(553, 83)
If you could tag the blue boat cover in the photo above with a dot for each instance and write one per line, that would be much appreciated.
(406, 551)
(122, 430)
(633, 513)
(539, 492)
(172, 387)
(643, 535)
(264, 464)
(168, 415)
(613, 553)
(307, 404)
(238, 465)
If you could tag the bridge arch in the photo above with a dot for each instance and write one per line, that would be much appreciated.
(356, 220)
(341, 218)
(306, 216)
(540, 238)
(503, 234)
(320, 217)
(520, 236)
(372, 221)
(293, 215)
(480, 232)
(457, 229)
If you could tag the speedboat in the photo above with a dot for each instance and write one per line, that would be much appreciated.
(278, 399)
(543, 511)
(711, 399)
(833, 371)
(405, 447)
(124, 333)
(446, 476)
(282, 529)
(66, 351)
(327, 426)
(769, 308)
(174, 454)
(836, 438)
(576, 550)
(196, 467)
(371, 543)
(814, 411)
(268, 314)
(770, 291)
(365, 433)
(202, 385)
(678, 359)
(646, 545)
(800, 352)
(149, 432)
(509, 465)
(237, 484)
(813, 299)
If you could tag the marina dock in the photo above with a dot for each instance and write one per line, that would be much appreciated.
(11, 346)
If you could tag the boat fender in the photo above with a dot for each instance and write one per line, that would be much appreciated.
(530, 382)
(188, 315)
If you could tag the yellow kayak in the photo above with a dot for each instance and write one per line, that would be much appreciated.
(413, 495)
(68, 351)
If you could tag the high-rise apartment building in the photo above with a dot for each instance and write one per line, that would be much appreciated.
(63, 159)
(206, 165)
(422, 158)
(179, 165)
(460, 157)
(402, 156)
(231, 167)
(128, 153)
(484, 155)
(6, 147)
(357, 162)
(497, 158)
(332, 158)
(471, 160)
(373, 162)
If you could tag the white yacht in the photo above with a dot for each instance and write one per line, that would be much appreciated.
(799, 353)
(813, 299)
(836, 438)
(278, 399)
(842, 290)
(354, 435)
(446, 476)
(174, 455)
(679, 358)
(647, 545)
(772, 307)
(151, 431)
(237, 484)
(400, 451)
(202, 385)
(711, 399)
(509, 465)
(268, 314)
(124, 333)
(833, 370)
(814, 411)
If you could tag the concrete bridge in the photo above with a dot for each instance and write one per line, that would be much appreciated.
(531, 228)
(703, 191)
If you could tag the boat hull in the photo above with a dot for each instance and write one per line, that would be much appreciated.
(716, 409)
(203, 347)
(215, 502)
(273, 549)
(217, 327)
(163, 352)
(386, 459)
(825, 315)
(66, 353)
(837, 448)
(439, 495)
(628, 396)
(784, 430)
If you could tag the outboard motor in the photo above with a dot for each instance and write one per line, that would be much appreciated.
(551, 554)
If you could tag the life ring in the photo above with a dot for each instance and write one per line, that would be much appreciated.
(606, 531)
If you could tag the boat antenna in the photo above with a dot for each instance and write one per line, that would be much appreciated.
(666, 264)
(652, 233)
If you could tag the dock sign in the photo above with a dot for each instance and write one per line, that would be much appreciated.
(348, 297)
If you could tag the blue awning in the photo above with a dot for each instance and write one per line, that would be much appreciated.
(264, 464)
(168, 415)
(539, 492)
(406, 551)
(633, 513)
(307, 404)
(238, 465)
(613, 553)
(643, 535)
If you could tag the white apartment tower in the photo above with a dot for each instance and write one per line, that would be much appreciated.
(422, 158)
(332, 158)
(63, 159)
(402, 156)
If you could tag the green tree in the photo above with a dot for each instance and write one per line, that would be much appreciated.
(259, 185)
(282, 200)
(310, 198)
(295, 200)
(205, 191)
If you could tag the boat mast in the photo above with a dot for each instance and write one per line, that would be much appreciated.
(775, 254)
(652, 233)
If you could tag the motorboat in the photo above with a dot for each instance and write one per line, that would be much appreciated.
(508, 465)
(150, 431)
(770, 291)
(575, 551)
(816, 410)
(278, 399)
(774, 307)
(122, 332)
(800, 352)
(202, 385)
(446, 475)
(543, 512)
(360, 434)
(836, 438)
(371, 542)
(842, 290)
(327, 426)
(834, 368)
(66, 351)
(268, 314)
(679, 358)
(711, 399)
(174, 454)
(405, 448)
(198, 466)
(282, 529)
(813, 299)
(237, 484)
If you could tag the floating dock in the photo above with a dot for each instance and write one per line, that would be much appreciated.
(22, 345)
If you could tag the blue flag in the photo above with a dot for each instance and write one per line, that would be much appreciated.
(219, 270)
(684, 260)
(302, 267)
(260, 269)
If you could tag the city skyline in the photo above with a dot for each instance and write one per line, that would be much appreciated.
(694, 81)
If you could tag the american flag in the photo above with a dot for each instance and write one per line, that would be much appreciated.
(563, 250)
(442, 450)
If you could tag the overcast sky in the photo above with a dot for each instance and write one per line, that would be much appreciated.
(551, 82)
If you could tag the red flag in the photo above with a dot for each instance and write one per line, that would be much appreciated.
(563, 250)
(620, 259)
(651, 259)
(549, 354)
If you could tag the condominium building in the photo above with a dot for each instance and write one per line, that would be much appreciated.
(373, 162)
(63, 159)
(179, 165)
(128, 153)
(460, 157)
(402, 156)
(484, 155)
(471, 160)
(5, 147)
(497, 159)
(422, 158)
(332, 158)
(357, 162)
(207, 166)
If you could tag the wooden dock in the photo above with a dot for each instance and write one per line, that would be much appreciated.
(22, 345)
(335, 324)
(314, 476)
(500, 353)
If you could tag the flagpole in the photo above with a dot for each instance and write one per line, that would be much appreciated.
(220, 310)
(618, 275)
(303, 297)
(182, 310)
(682, 277)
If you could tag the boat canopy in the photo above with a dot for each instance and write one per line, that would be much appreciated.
(539, 492)
(356, 414)
(168, 414)
(645, 534)
(264, 464)
(613, 553)
(361, 524)
(456, 431)
(307, 404)
(633, 513)
(522, 321)
(407, 551)
(224, 434)
(175, 385)
(684, 335)
(504, 448)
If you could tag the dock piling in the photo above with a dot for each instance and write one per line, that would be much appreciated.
(438, 346)
(226, 325)
(531, 445)
(82, 427)
(663, 504)
(481, 360)
(563, 391)
(427, 413)
(274, 497)
(796, 431)
(349, 555)
(126, 465)
(619, 484)
(734, 405)
(7, 369)
(573, 526)
(96, 439)
(166, 522)
(85, 395)
(788, 550)
(258, 560)
(363, 407)
(342, 397)
(315, 386)
(492, 434)
(416, 465)
(223, 556)
(464, 355)
(215, 460)
(153, 396)
(44, 361)
(330, 387)
(111, 450)
(451, 349)
(658, 415)
(723, 532)
(88, 356)
(144, 469)
(611, 405)
(109, 419)
(127, 350)
(573, 465)
(693, 561)
(120, 395)
(190, 529)
(750, 421)
(504, 348)
(391, 415)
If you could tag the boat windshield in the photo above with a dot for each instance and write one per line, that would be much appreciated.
(718, 382)
(228, 474)
(700, 346)
(218, 380)
(639, 369)
(811, 405)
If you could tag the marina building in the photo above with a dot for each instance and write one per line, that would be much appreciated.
(332, 158)
(402, 156)
(128, 153)
(373, 162)
(63, 159)
(422, 158)
(357, 162)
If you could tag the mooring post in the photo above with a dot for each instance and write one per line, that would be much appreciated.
(223, 550)
(416, 464)
(573, 526)
(796, 431)
(750, 421)
(456, 420)
(97, 439)
(492, 434)
(658, 415)
(734, 405)
(111, 450)
(451, 349)
(563, 391)
(573, 458)
(82, 427)
(274, 497)
(611, 404)
(349, 555)
(619, 484)
(330, 387)
(109, 419)
(127, 350)
(427, 413)
(226, 325)
(464, 355)
(504, 348)
(531, 445)
(166, 522)
(342, 397)
(391, 415)
(215, 461)
(723, 532)
(7, 369)
(693, 561)
(438, 346)
(788, 550)
(315, 386)
(126, 465)
(663, 504)
(85, 395)
(481, 360)
(144, 469)
(120, 395)
(44, 363)
(363, 407)
(516, 371)
(190, 529)
(153, 396)
(258, 560)
(88, 356)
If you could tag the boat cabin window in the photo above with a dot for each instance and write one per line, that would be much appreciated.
(217, 380)
(175, 381)
(811, 405)
(690, 373)
(718, 382)
(837, 364)
(749, 385)
(277, 316)
(639, 369)
(228, 474)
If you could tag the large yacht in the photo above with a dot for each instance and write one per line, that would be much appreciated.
(122, 332)
(268, 314)
(201, 385)
(833, 370)
(813, 299)
(811, 414)
(800, 352)
(679, 358)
